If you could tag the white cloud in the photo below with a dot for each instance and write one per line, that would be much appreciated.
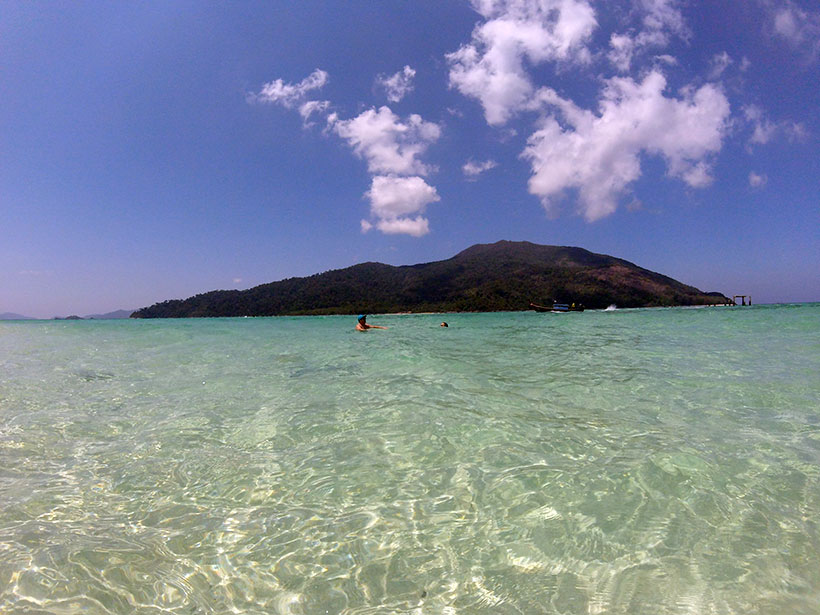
(388, 144)
(796, 131)
(757, 181)
(291, 95)
(491, 67)
(473, 169)
(416, 227)
(399, 85)
(313, 106)
(599, 154)
(792, 23)
(765, 130)
(391, 146)
(799, 28)
(394, 199)
(622, 48)
(719, 63)
(666, 59)
(661, 19)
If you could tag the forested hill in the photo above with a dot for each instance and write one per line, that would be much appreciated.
(486, 277)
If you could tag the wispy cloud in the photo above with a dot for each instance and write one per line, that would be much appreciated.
(798, 27)
(756, 180)
(295, 95)
(765, 130)
(313, 107)
(473, 169)
(290, 95)
(399, 85)
(719, 63)
(660, 20)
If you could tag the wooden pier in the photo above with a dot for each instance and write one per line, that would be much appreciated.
(742, 299)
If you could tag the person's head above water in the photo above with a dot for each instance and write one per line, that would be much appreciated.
(363, 326)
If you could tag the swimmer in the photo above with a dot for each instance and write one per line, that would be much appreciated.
(444, 324)
(362, 325)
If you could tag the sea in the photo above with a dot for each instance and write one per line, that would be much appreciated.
(636, 462)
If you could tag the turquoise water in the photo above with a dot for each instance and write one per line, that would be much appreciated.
(636, 462)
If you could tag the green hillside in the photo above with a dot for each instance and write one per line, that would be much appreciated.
(486, 277)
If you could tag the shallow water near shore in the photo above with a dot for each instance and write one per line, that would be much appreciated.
(628, 462)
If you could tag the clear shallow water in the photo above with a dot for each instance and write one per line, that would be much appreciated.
(635, 462)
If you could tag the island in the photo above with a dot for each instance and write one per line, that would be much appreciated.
(502, 276)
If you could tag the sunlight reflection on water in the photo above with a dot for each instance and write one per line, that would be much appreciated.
(639, 461)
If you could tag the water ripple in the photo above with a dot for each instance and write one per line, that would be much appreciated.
(631, 462)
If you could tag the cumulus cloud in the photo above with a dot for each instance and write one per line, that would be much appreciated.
(391, 146)
(473, 169)
(757, 181)
(290, 95)
(388, 144)
(599, 153)
(491, 68)
(397, 202)
(398, 85)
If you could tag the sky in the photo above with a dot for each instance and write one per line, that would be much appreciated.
(156, 150)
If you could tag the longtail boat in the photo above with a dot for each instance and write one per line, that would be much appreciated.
(558, 307)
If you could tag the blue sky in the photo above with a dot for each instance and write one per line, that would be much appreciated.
(156, 150)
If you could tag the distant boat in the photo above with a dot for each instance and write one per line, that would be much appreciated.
(611, 308)
(558, 307)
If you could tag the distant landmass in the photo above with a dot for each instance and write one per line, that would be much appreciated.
(13, 316)
(483, 278)
(107, 316)
(111, 315)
